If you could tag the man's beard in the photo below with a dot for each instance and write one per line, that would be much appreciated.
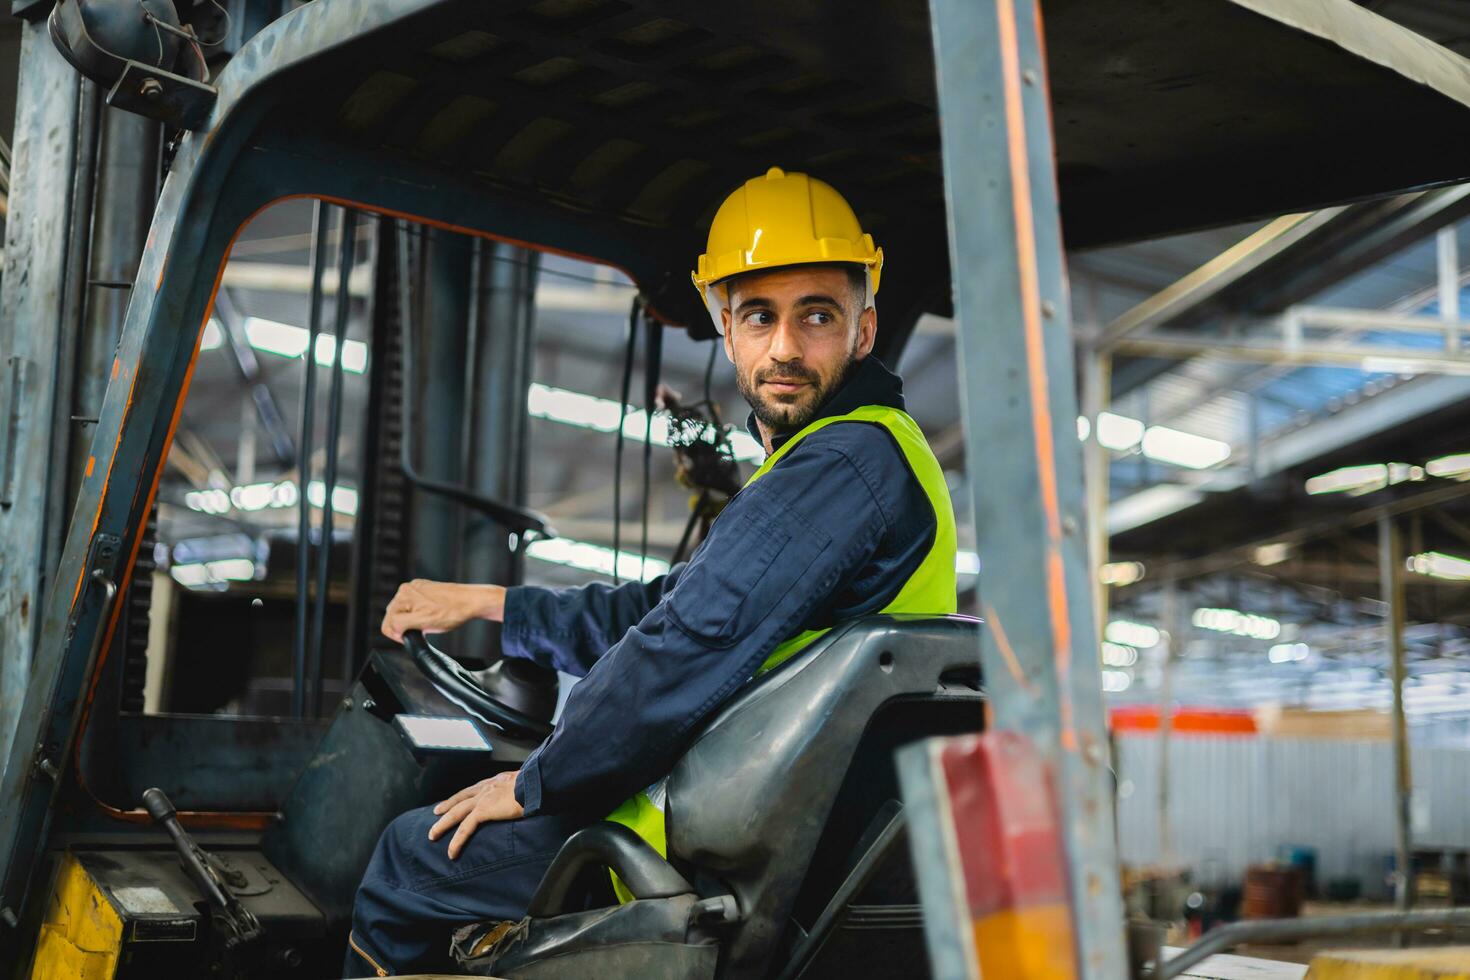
(780, 415)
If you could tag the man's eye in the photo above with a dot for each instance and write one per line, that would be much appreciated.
(760, 318)
(819, 318)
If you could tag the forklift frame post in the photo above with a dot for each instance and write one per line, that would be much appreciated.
(1012, 312)
(299, 656)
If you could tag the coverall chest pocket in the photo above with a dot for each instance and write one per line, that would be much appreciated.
(746, 569)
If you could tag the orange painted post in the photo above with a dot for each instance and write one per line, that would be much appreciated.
(1017, 381)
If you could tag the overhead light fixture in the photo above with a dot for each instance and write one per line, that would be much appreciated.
(1285, 653)
(1116, 681)
(198, 575)
(1139, 635)
(344, 499)
(1439, 565)
(1183, 448)
(1455, 467)
(967, 563)
(1237, 622)
(252, 497)
(1272, 554)
(1119, 573)
(1353, 480)
(601, 414)
(1084, 428)
(596, 558)
(286, 340)
(1118, 432)
(1358, 480)
(1119, 655)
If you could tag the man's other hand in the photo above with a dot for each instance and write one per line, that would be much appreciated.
(435, 607)
(489, 799)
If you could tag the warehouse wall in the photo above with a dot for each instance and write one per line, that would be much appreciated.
(1235, 800)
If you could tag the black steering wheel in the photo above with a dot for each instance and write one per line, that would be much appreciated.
(532, 686)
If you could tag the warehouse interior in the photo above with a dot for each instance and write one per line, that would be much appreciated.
(428, 352)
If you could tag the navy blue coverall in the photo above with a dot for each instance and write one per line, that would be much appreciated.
(830, 533)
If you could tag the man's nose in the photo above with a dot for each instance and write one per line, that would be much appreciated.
(785, 342)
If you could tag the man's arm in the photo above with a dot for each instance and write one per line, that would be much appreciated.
(567, 629)
(570, 629)
(783, 547)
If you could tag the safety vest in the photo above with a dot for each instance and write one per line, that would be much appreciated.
(930, 589)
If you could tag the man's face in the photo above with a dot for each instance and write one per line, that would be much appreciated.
(793, 334)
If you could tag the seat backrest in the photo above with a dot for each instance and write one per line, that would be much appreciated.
(750, 800)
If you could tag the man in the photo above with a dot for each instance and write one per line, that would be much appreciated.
(848, 516)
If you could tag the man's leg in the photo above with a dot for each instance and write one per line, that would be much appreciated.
(412, 896)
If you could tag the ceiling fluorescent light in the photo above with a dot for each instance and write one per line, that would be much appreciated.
(344, 499)
(1138, 635)
(967, 563)
(1285, 653)
(1084, 428)
(1119, 573)
(1183, 448)
(1439, 565)
(1118, 432)
(274, 496)
(596, 558)
(290, 341)
(1450, 467)
(1350, 479)
(601, 414)
(1272, 554)
(196, 575)
(1236, 622)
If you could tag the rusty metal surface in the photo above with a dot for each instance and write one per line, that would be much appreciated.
(32, 337)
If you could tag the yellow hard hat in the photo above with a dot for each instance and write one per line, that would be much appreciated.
(777, 220)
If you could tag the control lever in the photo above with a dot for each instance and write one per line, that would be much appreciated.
(234, 926)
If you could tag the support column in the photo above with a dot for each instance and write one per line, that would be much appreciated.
(1391, 577)
(126, 190)
(36, 346)
(441, 328)
(502, 320)
(1039, 650)
(1174, 623)
(1097, 384)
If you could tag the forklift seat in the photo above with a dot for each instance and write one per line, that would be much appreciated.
(785, 833)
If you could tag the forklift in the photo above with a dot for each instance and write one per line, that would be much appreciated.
(134, 844)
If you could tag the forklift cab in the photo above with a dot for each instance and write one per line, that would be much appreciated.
(610, 130)
(790, 860)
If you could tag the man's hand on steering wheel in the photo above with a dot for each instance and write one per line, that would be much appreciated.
(435, 607)
(488, 800)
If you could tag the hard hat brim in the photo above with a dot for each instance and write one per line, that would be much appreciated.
(716, 293)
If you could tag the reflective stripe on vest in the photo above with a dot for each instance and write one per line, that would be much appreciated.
(930, 590)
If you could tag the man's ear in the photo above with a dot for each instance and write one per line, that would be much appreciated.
(726, 319)
(867, 333)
